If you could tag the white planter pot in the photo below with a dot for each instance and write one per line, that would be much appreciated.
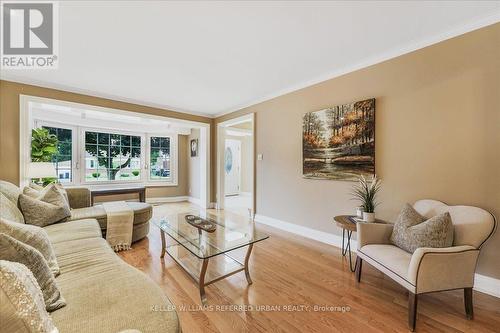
(368, 217)
(359, 212)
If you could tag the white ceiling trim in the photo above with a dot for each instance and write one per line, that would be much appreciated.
(410, 47)
(44, 84)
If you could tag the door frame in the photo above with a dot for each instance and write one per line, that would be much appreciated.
(221, 141)
(239, 143)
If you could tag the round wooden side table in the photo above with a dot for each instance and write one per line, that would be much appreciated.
(345, 222)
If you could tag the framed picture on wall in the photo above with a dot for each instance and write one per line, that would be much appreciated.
(194, 147)
(338, 143)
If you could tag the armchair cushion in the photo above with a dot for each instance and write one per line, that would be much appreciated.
(412, 230)
(432, 269)
(390, 260)
(373, 233)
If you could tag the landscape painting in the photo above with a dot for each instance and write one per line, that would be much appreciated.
(338, 143)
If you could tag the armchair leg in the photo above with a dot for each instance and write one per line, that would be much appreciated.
(469, 308)
(359, 263)
(412, 310)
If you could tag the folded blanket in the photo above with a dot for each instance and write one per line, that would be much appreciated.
(119, 225)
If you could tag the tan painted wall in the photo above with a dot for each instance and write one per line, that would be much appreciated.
(194, 166)
(437, 136)
(9, 129)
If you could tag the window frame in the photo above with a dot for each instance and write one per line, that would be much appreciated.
(81, 148)
(74, 152)
(173, 158)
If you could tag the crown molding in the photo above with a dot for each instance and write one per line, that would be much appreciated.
(394, 53)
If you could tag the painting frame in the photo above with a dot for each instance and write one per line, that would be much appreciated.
(193, 147)
(338, 142)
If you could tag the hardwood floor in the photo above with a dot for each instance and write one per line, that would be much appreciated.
(288, 270)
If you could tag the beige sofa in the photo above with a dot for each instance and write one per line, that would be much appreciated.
(103, 293)
(429, 269)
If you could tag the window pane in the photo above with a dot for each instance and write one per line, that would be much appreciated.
(159, 158)
(91, 150)
(164, 142)
(91, 137)
(136, 141)
(125, 140)
(103, 138)
(111, 159)
(155, 142)
(115, 139)
(102, 151)
(62, 159)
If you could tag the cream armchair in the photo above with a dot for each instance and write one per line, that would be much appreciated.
(429, 269)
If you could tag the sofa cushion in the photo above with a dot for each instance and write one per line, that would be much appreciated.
(73, 230)
(390, 256)
(22, 308)
(14, 250)
(33, 236)
(142, 213)
(104, 294)
(412, 230)
(9, 210)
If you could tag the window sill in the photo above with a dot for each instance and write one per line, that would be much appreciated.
(123, 185)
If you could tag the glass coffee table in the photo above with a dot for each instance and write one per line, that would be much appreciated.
(193, 248)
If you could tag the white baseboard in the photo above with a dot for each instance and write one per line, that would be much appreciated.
(320, 236)
(487, 285)
(482, 283)
(196, 201)
(159, 200)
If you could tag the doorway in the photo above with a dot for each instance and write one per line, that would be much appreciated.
(235, 190)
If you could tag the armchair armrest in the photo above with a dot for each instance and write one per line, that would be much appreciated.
(434, 269)
(373, 233)
(79, 197)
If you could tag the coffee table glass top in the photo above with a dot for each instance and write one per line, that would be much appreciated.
(232, 232)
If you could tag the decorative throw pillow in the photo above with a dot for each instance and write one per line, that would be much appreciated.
(10, 190)
(49, 207)
(14, 250)
(412, 230)
(36, 186)
(33, 236)
(34, 190)
(9, 210)
(22, 308)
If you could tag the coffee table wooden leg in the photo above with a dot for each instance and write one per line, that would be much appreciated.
(202, 281)
(247, 257)
(163, 244)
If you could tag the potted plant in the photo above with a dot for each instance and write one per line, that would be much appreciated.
(365, 192)
(43, 148)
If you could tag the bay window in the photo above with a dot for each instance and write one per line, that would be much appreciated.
(106, 157)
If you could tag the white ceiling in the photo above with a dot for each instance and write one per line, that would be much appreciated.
(215, 57)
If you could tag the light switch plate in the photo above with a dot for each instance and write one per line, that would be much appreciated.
(260, 157)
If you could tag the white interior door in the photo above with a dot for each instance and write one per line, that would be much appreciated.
(232, 167)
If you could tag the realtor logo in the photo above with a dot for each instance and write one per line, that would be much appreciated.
(29, 38)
